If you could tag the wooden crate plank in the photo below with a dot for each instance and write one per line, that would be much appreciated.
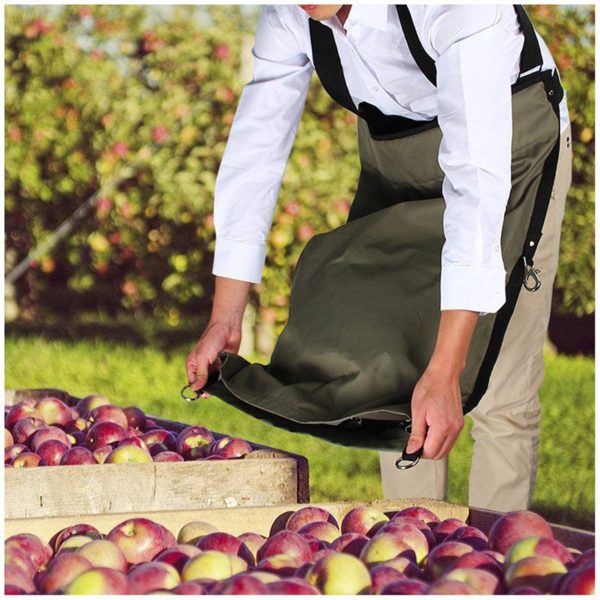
(93, 489)
(569, 536)
(234, 521)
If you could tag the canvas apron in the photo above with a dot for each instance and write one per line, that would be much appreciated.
(365, 299)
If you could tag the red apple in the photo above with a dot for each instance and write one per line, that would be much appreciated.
(167, 456)
(8, 439)
(479, 560)
(77, 438)
(104, 434)
(160, 436)
(178, 556)
(351, 543)
(193, 531)
(48, 433)
(443, 558)
(515, 526)
(385, 546)
(139, 539)
(253, 541)
(447, 587)
(61, 570)
(405, 566)
(128, 454)
(13, 590)
(21, 411)
(190, 589)
(410, 535)
(362, 519)
(280, 564)
(150, 425)
(193, 442)
(78, 456)
(286, 542)
(98, 581)
(242, 584)
(54, 411)
(580, 582)
(103, 553)
(540, 572)
(81, 528)
(443, 529)
(76, 425)
(17, 557)
(483, 582)
(265, 576)
(382, 576)
(291, 587)
(226, 543)
(24, 429)
(155, 449)
(51, 452)
(314, 544)
(309, 514)
(26, 460)
(135, 417)
(537, 546)
(419, 512)
(422, 527)
(152, 576)
(107, 413)
(326, 532)
(340, 573)
(15, 577)
(469, 535)
(89, 403)
(13, 451)
(101, 453)
(38, 552)
(213, 457)
(212, 564)
(74, 542)
(585, 558)
(405, 587)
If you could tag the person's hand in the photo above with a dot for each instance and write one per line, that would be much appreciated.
(437, 416)
(204, 357)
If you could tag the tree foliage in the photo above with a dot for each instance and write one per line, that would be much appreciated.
(94, 92)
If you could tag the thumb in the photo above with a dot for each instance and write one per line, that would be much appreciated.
(417, 433)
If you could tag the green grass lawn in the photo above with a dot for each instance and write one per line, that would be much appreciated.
(151, 378)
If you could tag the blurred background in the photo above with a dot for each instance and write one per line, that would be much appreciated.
(116, 120)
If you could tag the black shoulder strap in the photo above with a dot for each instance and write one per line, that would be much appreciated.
(423, 60)
(531, 55)
(328, 66)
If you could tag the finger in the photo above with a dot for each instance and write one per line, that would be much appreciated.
(418, 431)
(190, 369)
(436, 436)
(448, 444)
(201, 374)
(204, 395)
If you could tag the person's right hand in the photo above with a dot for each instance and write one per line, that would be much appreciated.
(204, 357)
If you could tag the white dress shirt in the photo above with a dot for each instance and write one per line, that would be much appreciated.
(477, 52)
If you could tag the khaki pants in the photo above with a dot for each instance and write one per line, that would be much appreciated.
(506, 423)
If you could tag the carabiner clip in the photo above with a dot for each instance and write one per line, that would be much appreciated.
(531, 273)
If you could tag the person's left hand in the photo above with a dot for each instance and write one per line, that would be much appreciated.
(437, 415)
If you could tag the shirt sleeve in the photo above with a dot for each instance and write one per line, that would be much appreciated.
(259, 144)
(475, 117)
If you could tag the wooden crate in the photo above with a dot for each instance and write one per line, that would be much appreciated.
(260, 519)
(264, 477)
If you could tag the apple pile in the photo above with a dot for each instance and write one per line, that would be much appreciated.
(48, 432)
(307, 552)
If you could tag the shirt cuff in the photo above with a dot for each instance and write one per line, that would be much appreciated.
(239, 260)
(480, 289)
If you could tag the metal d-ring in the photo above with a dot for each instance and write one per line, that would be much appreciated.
(190, 398)
(531, 273)
(411, 459)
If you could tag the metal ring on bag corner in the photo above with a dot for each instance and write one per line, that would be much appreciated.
(190, 398)
(412, 459)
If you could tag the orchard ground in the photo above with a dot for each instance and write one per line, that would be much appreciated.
(149, 372)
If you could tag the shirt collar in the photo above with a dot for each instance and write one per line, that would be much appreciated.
(371, 15)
